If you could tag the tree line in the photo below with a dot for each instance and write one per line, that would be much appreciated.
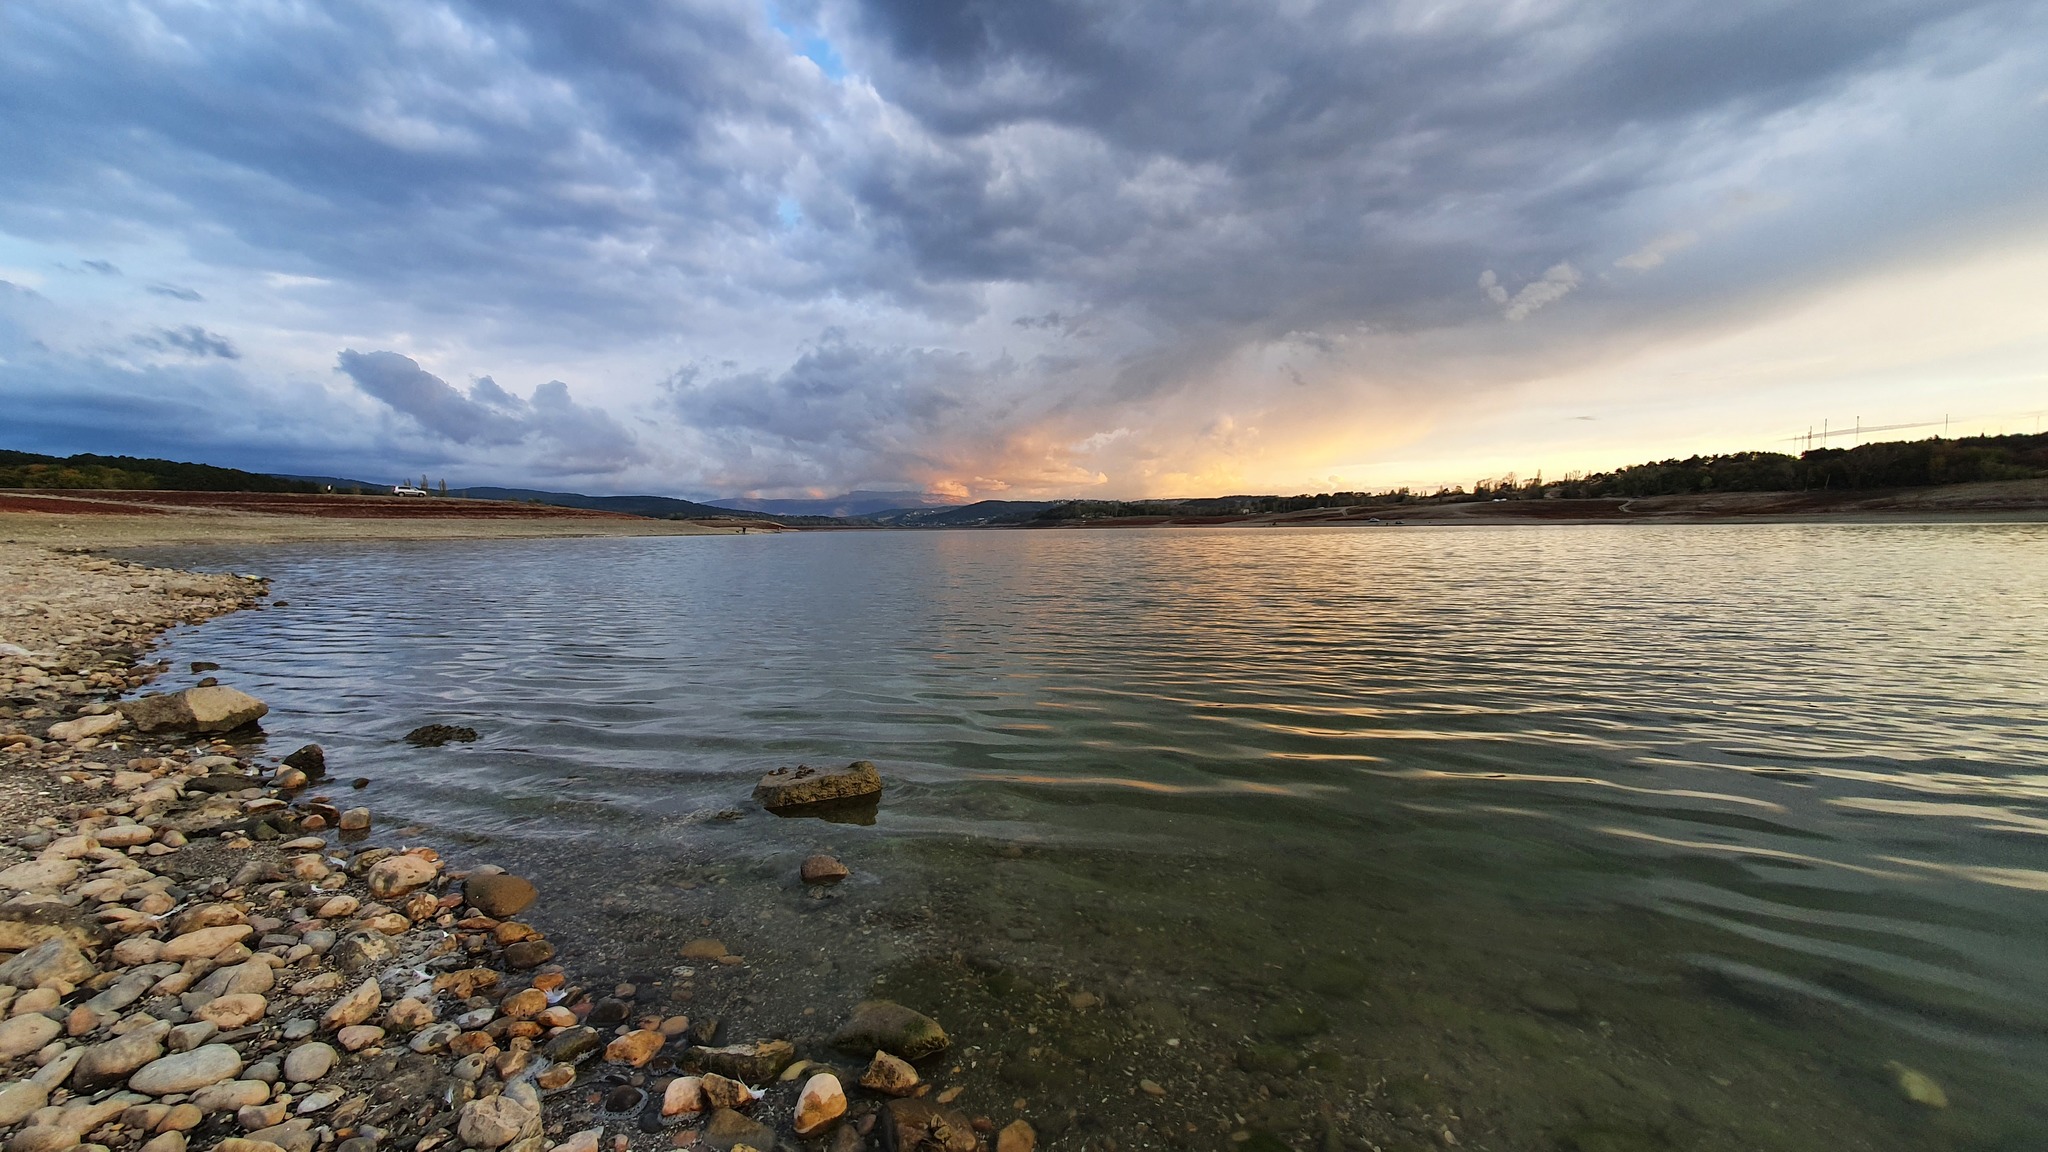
(85, 470)
(1885, 464)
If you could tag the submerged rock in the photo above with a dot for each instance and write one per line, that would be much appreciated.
(1917, 1086)
(310, 759)
(921, 1126)
(802, 785)
(890, 1027)
(499, 895)
(435, 735)
(823, 869)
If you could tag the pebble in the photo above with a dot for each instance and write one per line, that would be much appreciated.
(395, 876)
(683, 1097)
(1917, 1086)
(19, 1099)
(890, 1075)
(1018, 1136)
(21, 1035)
(234, 1011)
(494, 1121)
(499, 895)
(635, 1048)
(357, 1037)
(821, 1102)
(187, 1071)
(823, 869)
(203, 943)
(309, 1062)
(355, 1007)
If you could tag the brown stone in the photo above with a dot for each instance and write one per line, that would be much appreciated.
(889, 1075)
(499, 894)
(702, 949)
(725, 1092)
(921, 1126)
(525, 1004)
(635, 1048)
(466, 982)
(212, 709)
(394, 876)
(355, 1007)
(1018, 1137)
(755, 1063)
(803, 786)
(513, 932)
(529, 954)
(821, 1102)
(823, 869)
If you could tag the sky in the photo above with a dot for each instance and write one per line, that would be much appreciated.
(1015, 249)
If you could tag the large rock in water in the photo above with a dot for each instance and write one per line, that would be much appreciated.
(802, 786)
(310, 759)
(892, 1028)
(499, 895)
(212, 709)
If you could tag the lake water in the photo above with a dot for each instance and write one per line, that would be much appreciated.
(1591, 838)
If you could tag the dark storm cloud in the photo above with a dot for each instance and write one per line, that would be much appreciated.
(578, 439)
(1353, 161)
(191, 340)
(1146, 190)
(842, 408)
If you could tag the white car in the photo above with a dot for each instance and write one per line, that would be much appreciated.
(407, 490)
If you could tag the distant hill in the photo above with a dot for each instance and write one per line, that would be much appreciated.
(85, 470)
(982, 512)
(851, 504)
(342, 484)
(653, 507)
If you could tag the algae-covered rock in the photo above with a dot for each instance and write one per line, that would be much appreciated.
(892, 1028)
(803, 786)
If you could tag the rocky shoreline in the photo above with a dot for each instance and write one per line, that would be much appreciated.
(200, 947)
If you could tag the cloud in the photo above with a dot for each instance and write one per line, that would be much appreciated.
(1655, 252)
(895, 240)
(102, 267)
(192, 340)
(1555, 284)
(573, 439)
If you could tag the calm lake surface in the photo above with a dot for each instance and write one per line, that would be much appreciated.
(1595, 838)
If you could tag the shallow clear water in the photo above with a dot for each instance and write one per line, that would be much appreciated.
(1558, 837)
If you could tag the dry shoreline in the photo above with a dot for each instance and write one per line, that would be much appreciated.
(203, 958)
